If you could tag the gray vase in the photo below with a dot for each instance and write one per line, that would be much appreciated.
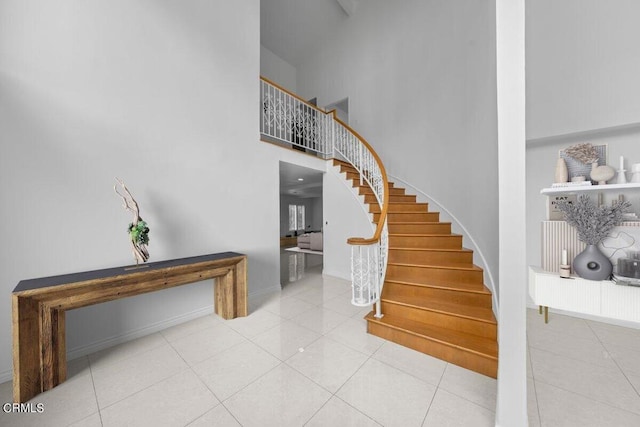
(591, 264)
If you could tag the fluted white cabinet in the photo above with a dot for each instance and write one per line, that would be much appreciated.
(598, 298)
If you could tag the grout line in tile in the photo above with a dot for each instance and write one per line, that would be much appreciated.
(351, 406)
(108, 364)
(349, 347)
(318, 410)
(210, 391)
(546, 350)
(535, 396)
(251, 382)
(614, 360)
(589, 398)
(162, 332)
(533, 382)
(143, 389)
(231, 413)
(493, 410)
(426, 414)
(95, 393)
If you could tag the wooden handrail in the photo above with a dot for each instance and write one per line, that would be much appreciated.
(272, 83)
(385, 203)
(361, 241)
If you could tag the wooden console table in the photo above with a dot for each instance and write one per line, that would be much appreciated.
(39, 305)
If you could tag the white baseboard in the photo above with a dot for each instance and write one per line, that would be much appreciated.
(270, 289)
(616, 322)
(336, 274)
(147, 330)
(136, 333)
(6, 376)
(124, 337)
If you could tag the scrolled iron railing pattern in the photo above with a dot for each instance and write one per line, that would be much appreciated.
(289, 119)
(368, 256)
(286, 118)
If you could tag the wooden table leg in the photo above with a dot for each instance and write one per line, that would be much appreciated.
(225, 295)
(241, 288)
(546, 314)
(27, 379)
(231, 292)
(53, 347)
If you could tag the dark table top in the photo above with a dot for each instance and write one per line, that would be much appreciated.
(45, 282)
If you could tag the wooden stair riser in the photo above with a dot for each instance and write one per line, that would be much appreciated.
(433, 241)
(482, 364)
(409, 217)
(476, 299)
(445, 320)
(355, 183)
(426, 246)
(363, 191)
(370, 198)
(354, 175)
(429, 256)
(420, 228)
(400, 207)
(421, 273)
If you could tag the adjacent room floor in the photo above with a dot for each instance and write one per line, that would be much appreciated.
(303, 357)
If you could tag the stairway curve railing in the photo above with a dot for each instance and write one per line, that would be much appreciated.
(288, 119)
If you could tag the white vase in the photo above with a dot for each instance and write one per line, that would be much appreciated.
(601, 174)
(562, 173)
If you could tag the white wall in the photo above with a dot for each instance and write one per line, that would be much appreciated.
(162, 94)
(277, 69)
(541, 163)
(345, 216)
(583, 62)
(420, 77)
(316, 213)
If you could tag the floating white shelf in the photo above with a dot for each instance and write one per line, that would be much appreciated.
(585, 188)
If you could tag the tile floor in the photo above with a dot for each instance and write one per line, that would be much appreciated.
(303, 358)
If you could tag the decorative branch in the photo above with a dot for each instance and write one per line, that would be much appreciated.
(585, 153)
(138, 229)
(592, 223)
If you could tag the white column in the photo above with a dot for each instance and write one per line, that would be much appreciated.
(511, 407)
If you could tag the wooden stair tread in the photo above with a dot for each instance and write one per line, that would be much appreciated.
(468, 312)
(478, 345)
(408, 203)
(424, 234)
(442, 265)
(476, 288)
(417, 222)
(400, 248)
(435, 299)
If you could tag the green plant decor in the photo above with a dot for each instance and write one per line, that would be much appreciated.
(139, 232)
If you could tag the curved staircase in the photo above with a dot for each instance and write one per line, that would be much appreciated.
(434, 299)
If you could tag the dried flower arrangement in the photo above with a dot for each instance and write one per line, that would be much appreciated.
(593, 223)
(585, 153)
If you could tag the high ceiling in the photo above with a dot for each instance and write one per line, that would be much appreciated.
(290, 184)
(292, 28)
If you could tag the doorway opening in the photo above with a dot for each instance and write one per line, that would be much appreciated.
(342, 109)
(301, 239)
